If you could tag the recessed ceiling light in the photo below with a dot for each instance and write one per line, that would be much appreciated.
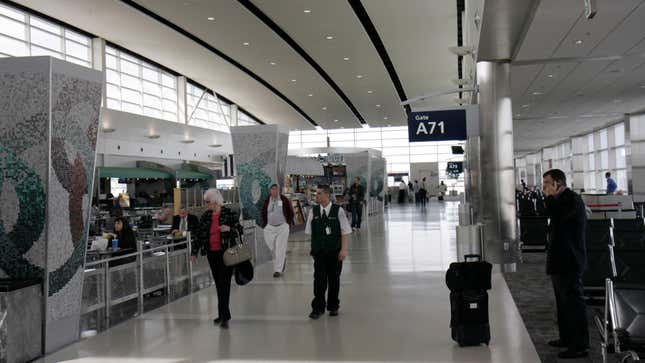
(211, 18)
(324, 108)
(536, 93)
(187, 141)
(293, 80)
(370, 91)
(329, 37)
(550, 76)
(579, 41)
(153, 137)
(378, 106)
(246, 44)
(215, 145)
(272, 63)
(359, 76)
(642, 85)
(385, 118)
(525, 106)
(335, 120)
(311, 95)
(517, 115)
(307, 11)
(346, 58)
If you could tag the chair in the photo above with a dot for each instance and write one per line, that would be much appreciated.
(599, 259)
(622, 328)
(534, 231)
(629, 250)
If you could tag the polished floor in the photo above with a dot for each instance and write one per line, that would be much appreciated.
(394, 308)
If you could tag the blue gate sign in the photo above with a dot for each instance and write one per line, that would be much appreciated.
(437, 125)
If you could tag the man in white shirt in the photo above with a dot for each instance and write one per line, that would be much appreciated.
(328, 226)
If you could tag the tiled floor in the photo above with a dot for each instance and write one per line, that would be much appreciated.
(394, 307)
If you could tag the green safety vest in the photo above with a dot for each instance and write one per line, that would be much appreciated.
(320, 240)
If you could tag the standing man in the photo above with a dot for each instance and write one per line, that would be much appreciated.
(611, 184)
(277, 216)
(416, 192)
(328, 226)
(356, 197)
(566, 261)
(423, 192)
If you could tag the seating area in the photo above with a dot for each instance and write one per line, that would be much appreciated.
(621, 324)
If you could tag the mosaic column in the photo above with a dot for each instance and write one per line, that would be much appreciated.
(357, 165)
(49, 116)
(261, 160)
(377, 182)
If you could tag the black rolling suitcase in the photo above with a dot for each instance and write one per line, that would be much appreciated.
(468, 282)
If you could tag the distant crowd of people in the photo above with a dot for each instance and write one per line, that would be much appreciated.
(419, 192)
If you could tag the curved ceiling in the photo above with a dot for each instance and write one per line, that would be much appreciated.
(289, 61)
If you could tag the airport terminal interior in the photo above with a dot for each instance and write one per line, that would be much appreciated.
(322, 181)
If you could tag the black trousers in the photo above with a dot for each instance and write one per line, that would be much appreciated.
(357, 214)
(222, 275)
(327, 269)
(572, 311)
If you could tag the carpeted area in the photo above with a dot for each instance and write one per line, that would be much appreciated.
(533, 294)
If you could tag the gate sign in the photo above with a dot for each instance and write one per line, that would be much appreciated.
(437, 125)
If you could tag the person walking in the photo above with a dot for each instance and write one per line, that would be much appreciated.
(611, 184)
(566, 261)
(216, 228)
(328, 227)
(416, 187)
(356, 198)
(443, 188)
(277, 216)
(423, 192)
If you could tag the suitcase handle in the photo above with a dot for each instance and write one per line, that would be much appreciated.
(476, 257)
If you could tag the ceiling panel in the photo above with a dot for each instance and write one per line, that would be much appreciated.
(233, 26)
(625, 36)
(337, 19)
(128, 28)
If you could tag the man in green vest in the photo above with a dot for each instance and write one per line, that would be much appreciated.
(328, 226)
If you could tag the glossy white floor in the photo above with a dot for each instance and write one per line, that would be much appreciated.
(394, 307)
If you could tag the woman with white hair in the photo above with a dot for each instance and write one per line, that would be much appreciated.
(216, 229)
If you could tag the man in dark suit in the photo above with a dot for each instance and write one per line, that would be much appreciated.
(566, 261)
(184, 222)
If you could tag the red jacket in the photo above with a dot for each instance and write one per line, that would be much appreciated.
(287, 210)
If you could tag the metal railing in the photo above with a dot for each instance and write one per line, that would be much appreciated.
(115, 280)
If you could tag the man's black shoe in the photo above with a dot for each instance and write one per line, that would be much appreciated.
(557, 343)
(217, 321)
(572, 354)
(224, 324)
(276, 275)
(333, 313)
(315, 315)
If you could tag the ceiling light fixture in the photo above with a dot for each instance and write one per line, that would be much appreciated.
(329, 37)
(108, 130)
(272, 63)
(335, 120)
(550, 76)
(579, 41)
(293, 80)
(153, 137)
(359, 76)
(525, 106)
(385, 118)
(536, 93)
(324, 108)
(642, 85)
(211, 18)
(188, 141)
(377, 106)
(346, 58)
(307, 11)
(370, 91)
(215, 145)
(311, 95)
(246, 44)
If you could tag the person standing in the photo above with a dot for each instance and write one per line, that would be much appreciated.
(566, 262)
(423, 192)
(213, 238)
(356, 198)
(277, 216)
(443, 188)
(328, 227)
(184, 222)
(611, 184)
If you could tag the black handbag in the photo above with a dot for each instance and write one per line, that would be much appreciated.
(243, 273)
(469, 275)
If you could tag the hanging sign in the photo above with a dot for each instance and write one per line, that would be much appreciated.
(437, 125)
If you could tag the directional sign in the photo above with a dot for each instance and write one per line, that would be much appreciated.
(437, 125)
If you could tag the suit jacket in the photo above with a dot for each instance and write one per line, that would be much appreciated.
(193, 222)
(566, 251)
(287, 210)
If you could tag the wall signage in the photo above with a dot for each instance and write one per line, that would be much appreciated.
(437, 125)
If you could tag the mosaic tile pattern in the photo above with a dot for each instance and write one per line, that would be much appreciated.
(3, 328)
(261, 158)
(46, 234)
(377, 178)
(357, 166)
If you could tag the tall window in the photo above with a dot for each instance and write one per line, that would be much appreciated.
(206, 110)
(138, 87)
(244, 119)
(23, 34)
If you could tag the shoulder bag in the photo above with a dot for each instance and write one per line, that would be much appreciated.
(237, 253)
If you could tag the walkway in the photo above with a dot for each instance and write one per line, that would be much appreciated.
(394, 307)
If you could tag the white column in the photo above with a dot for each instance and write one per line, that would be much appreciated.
(182, 104)
(578, 148)
(637, 140)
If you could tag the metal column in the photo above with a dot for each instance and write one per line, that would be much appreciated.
(497, 211)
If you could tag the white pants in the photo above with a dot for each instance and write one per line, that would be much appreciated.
(277, 238)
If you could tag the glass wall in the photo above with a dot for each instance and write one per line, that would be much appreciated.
(244, 119)
(23, 34)
(211, 113)
(138, 87)
(391, 141)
